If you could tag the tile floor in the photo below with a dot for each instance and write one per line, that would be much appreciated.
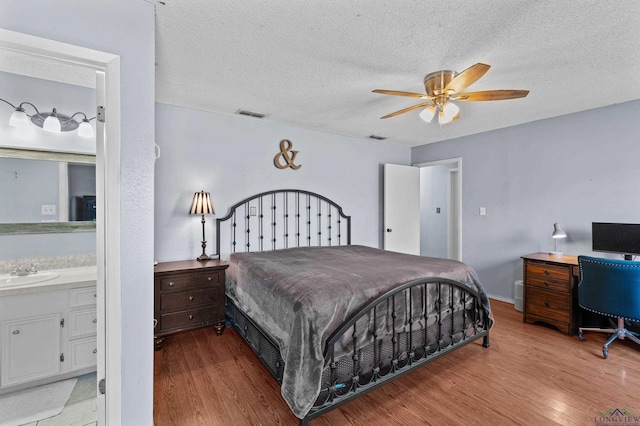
(80, 410)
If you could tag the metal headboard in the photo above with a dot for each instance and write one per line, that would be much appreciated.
(282, 218)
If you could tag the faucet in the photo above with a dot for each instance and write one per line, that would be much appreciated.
(20, 271)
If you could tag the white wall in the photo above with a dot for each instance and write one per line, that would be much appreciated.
(231, 157)
(573, 170)
(125, 28)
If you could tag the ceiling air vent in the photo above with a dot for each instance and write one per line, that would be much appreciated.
(251, 113)
(376, 137)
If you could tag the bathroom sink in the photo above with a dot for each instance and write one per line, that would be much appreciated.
(14, 280)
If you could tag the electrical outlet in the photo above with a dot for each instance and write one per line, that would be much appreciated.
(48, 209)
(483, 211)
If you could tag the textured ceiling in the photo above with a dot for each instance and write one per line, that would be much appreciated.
(313, 64)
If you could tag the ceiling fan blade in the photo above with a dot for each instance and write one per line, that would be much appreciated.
(466, 78)
(399, 93)
(491, 95)
(411, 108)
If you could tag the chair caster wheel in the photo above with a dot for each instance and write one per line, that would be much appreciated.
(605, 353)
(580, 336)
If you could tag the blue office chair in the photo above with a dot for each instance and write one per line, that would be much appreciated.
(610, 287)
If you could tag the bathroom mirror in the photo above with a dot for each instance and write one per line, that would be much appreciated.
(47, 192)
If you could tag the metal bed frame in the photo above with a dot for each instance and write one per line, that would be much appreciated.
(295, 218)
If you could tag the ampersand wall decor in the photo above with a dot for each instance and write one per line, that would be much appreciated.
(287, 154)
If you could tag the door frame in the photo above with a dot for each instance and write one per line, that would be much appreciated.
(452, 215)
(108, 267)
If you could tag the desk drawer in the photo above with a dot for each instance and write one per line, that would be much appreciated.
(547, 283)
(548, 304)
(190, 299)
(546, 271)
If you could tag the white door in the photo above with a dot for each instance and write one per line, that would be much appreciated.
(402, 208)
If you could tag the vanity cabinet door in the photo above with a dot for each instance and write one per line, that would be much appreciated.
(30, 349)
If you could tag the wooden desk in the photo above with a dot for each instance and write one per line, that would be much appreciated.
(551, 290)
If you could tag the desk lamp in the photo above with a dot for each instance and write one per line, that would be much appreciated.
(557, 234)
(201, 204)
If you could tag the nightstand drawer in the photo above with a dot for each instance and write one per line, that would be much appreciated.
(189, 299)
(190, 318)
(550, 284)
(545, 271)
(185, 282)
(548, 304)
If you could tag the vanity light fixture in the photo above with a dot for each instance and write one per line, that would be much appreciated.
(201, 204)
(50, 121)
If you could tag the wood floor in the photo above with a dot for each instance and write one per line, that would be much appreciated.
(531, 375)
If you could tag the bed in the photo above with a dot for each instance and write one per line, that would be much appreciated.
(331, 320)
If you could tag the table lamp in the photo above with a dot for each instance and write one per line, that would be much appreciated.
(557, 234)
(201, 204)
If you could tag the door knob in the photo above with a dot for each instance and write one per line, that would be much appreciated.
(388, 229)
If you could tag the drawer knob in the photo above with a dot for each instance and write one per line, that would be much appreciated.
(95, 351)
(546, 272)
(190, 317)
(209, 278)
(546, 304)
(95, 321)
(16, 331)
(171, 283)
(546, 283)
(191, 298)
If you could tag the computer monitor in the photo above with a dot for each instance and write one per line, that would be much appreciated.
(622, 238)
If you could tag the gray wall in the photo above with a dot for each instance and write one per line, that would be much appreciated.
(434, 195)
(125, 28)
(24, 186)
(573, 170)
(231, 157)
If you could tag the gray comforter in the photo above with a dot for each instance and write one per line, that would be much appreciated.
(300, 296)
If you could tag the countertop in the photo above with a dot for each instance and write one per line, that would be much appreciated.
(68, 278)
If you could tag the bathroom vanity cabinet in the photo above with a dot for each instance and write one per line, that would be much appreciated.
(47, 335)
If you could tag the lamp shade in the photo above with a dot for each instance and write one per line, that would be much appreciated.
(448, 113)
(427, 113)
(201, 203)
(558, 232)
(85, 129)
(19, 118)
(52, 123)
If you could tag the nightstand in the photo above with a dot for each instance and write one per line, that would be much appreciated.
(188, 294)
(550, 290)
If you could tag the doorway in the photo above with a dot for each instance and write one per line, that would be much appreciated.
(441, 208)
(106, 69)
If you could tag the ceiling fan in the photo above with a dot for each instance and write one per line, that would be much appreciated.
(444, 86)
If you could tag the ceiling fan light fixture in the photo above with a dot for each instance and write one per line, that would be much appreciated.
(428, 113)
(449, 112)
